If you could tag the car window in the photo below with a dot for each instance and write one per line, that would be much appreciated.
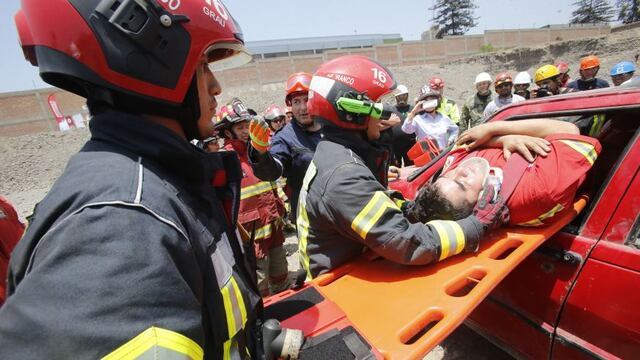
(633, 239)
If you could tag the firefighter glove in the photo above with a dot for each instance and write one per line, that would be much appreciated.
(491, 210)
(260, 135)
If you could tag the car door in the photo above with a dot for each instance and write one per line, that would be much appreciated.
(522, 313)
(601, 317)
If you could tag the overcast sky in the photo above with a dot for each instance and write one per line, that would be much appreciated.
(281, 19)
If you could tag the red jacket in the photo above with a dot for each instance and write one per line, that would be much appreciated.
(11, 230)
(259, 199)
(549, 185)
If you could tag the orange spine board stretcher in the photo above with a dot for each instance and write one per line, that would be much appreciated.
(405, 311)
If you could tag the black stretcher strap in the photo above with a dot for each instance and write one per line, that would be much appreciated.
(293, 305)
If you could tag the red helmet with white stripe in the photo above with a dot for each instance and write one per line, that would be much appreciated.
(352, 76)
(138, 56)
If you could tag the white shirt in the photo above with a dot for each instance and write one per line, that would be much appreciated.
(438, 128)
(499, 102)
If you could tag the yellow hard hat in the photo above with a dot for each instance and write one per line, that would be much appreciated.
(546, 72)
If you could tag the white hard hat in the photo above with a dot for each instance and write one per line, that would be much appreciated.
(523, 77)
(401, 90)
(482, 77)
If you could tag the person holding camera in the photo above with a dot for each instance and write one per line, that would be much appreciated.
(427, 123)
(548, 79)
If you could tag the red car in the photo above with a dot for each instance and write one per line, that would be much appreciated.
(578, 296)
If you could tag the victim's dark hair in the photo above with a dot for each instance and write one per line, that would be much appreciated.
(430, 204)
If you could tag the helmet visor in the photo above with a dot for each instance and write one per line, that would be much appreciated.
(224, 56)
(299, 82)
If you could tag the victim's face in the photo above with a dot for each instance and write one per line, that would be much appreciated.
(464, 183)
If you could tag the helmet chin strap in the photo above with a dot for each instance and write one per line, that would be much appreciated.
(190, 112)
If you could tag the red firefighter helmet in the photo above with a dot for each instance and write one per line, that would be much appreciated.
(273, 112)
(352, 76)
(436, 83)
(297, 83)
(138, 55)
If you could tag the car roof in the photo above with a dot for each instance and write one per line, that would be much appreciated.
(627, 95)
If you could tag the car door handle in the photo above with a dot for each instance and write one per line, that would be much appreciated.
(561, 255)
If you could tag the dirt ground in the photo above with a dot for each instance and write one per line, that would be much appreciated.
(30, 164)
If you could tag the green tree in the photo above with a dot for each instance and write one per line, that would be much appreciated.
(453, 17)
(591, 12)
(629, 11)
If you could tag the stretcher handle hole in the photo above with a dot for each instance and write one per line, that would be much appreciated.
(415, 330)
(463, 285)
(504, 249)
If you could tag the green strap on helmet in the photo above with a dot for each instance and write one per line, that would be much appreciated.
(363, 107)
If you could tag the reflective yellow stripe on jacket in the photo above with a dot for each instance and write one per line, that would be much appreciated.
(451, 237)
(596, 125)
(371, 213)
(302, 221)
(538, 221)
(584, 148)
(263, 232)
(236, 315)
(257, 189)
(154, 341)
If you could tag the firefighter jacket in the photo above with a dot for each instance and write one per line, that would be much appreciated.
(260, 206)
(289, 156)
(449, 108)
(132, 254)
(472, 111)
(344, 208)
(402, 142)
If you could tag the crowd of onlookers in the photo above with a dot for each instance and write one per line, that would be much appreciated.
(433, 119)
(439, 120)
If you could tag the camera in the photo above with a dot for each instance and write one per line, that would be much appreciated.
(543, 91)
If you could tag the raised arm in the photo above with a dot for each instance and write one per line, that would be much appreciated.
(540, 128)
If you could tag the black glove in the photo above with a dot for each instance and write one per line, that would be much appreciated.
(491, 214)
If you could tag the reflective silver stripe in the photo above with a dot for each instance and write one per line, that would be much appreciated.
(263, 232)
(231, 351)
(372, 212)
(586, 149)
(452, 239)
(104, 203)
(302, 221)
(157, 343)
(237, 315)
(256, 189)
(139, 189)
